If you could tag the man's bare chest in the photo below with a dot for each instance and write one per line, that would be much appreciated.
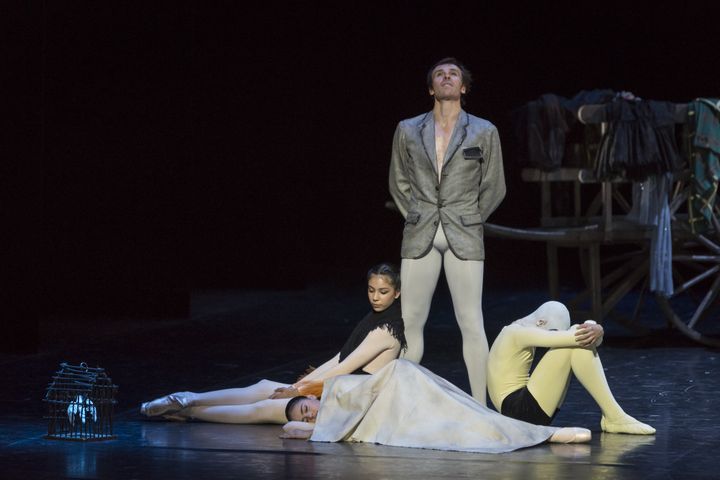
(442, 140)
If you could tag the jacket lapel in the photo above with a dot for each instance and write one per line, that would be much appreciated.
(427, 134)
(458, 137)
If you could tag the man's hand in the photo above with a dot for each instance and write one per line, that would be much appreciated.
(589, 334)
(285, 392)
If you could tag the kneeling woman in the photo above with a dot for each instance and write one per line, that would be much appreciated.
(376, 341)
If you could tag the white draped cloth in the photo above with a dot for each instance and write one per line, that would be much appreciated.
(406, 405)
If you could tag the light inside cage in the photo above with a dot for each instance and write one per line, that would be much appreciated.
(80, 403)
(81, 408)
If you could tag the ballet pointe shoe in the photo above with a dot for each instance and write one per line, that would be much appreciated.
(626, 424)
(571, 435)
(168, 404)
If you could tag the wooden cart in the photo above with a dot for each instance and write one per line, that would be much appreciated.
(604, 226)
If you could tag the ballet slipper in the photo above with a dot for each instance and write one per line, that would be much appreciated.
(168, 404)
(571, 435)
(626, 424)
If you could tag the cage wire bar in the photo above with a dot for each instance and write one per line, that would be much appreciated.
(80, 403)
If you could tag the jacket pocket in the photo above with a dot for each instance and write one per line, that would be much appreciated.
(412, 218)
(474, 219)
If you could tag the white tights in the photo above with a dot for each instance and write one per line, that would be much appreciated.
(238, 405)
(465, 278)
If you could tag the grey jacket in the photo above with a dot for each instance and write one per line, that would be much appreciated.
(471, 188)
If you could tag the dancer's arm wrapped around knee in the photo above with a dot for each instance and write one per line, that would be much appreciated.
(537, 337)
(589, 334)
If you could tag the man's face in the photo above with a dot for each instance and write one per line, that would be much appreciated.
(447, 82)
(305, 410)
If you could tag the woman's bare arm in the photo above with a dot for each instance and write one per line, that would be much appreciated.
(376, 342)
(309, 379)
(323, 368)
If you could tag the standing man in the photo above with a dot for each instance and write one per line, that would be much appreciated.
(446, 177)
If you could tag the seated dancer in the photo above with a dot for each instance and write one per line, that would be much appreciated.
(406, 405)
(535, 397)
(376, 340)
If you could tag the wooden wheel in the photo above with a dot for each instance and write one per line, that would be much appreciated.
(694, 306)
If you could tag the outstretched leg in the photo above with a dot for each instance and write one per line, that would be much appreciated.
(236, 396)
(550, 379)
(418, 278)
(231, 396)
(465, 280)
(263, 411)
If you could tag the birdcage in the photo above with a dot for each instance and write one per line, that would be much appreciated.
(80, 403)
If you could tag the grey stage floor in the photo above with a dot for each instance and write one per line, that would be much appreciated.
(236, 337)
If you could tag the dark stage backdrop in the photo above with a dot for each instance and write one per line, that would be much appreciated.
(232, 144)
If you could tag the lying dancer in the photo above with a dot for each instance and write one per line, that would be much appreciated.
(406, 405)
(535, 397)
(376, 340)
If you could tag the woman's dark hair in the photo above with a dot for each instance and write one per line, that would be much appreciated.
(387, 270)
(466, 75)
(291, 404)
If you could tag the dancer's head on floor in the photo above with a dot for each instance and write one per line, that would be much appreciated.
(302, 409)
(549, 316)
(383, 286)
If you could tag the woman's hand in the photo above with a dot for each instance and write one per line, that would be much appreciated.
(299, 430)
(295, 433)
(589, 334)
(285, 392)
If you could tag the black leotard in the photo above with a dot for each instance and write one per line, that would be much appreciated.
(390, 318)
